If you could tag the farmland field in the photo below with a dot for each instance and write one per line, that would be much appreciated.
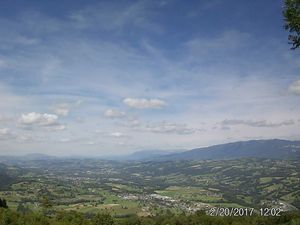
(150, 188)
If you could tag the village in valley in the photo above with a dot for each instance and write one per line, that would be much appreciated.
(150, 188)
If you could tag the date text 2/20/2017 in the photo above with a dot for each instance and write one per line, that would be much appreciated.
(216, 211)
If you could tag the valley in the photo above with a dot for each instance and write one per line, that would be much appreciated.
(149, 188)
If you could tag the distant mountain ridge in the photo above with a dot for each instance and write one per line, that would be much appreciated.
(32, 156)
(143, 155)
(273, 149)
(270, 149)
(146, 154)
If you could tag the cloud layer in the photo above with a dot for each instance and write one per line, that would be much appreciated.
(39, 119)
(114, 113)
(142, 103)
(258, 123)
(144, 75)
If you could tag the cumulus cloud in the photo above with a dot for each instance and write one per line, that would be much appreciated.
(115, 69)
(256, 123)
(5, 133)
(39, 119)
(114, 113)
(168, 127)
(295, 87)
(48, 121)
(142, 103)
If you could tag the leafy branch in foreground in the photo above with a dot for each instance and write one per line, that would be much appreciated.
(10, 217)
(292, 21)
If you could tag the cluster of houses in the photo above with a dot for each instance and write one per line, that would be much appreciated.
(166, 201)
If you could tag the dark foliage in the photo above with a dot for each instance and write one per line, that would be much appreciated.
(3, 203)
(9, 217)
(292, 21)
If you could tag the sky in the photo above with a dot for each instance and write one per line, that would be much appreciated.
(114, 77)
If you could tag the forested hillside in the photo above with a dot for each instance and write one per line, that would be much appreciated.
(8, 217)
(6, 177)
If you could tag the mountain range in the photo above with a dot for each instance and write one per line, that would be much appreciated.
(270, 149)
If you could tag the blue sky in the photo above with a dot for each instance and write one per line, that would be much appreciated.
(113, 77)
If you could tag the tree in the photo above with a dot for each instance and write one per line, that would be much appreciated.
(22, 209)
(46, 204)
(103, 219)
(3, 203)
(292, 21)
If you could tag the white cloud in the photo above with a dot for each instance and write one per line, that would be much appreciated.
(114, 113)
(65, 140)
(142, 103)
(39, 119)
(168, 127)
(57, 127)
(24, 138)
(256, 123)
(117, 134)
(62, 109)
(133, 123)
(90, 143)
(5, 133)
(48, 121)
(72, 139)
(206, 79)
(295, 87)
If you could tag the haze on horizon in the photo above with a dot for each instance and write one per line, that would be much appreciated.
(110, 77)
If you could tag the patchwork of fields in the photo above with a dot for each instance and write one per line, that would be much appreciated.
(150, 188)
